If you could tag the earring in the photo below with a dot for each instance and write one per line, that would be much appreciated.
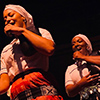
(25, 20)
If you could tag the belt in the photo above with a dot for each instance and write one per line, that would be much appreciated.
(26, 72)
(32, 93)
(35, 92)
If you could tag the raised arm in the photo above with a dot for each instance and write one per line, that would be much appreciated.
(41, 44)
(90, 59)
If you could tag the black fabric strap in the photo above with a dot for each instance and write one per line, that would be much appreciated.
(29, 94)
(32, 93)
(22, 74)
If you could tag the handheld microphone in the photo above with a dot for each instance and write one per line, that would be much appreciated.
(26, 46)
(78, 61)
(10, 34)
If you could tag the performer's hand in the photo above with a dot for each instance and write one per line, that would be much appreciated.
(77, 55)
(12, 30)
(89, 80)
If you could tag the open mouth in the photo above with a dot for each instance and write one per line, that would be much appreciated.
(12, 23)
(78, 49)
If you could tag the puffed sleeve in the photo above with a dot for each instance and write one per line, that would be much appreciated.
(3, 68)
(68, 79)
(46, 34)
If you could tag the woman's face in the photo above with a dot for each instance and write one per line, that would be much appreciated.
(13, 18)
(78, 44)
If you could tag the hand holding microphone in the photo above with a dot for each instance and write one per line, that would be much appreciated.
(12, 31)
(7, 30)
(77, 56)
(9, 33)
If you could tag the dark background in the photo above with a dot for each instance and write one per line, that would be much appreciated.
(64, 19)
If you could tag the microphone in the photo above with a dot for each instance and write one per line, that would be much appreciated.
(78, 61)
(26, 47)
(10, 34)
